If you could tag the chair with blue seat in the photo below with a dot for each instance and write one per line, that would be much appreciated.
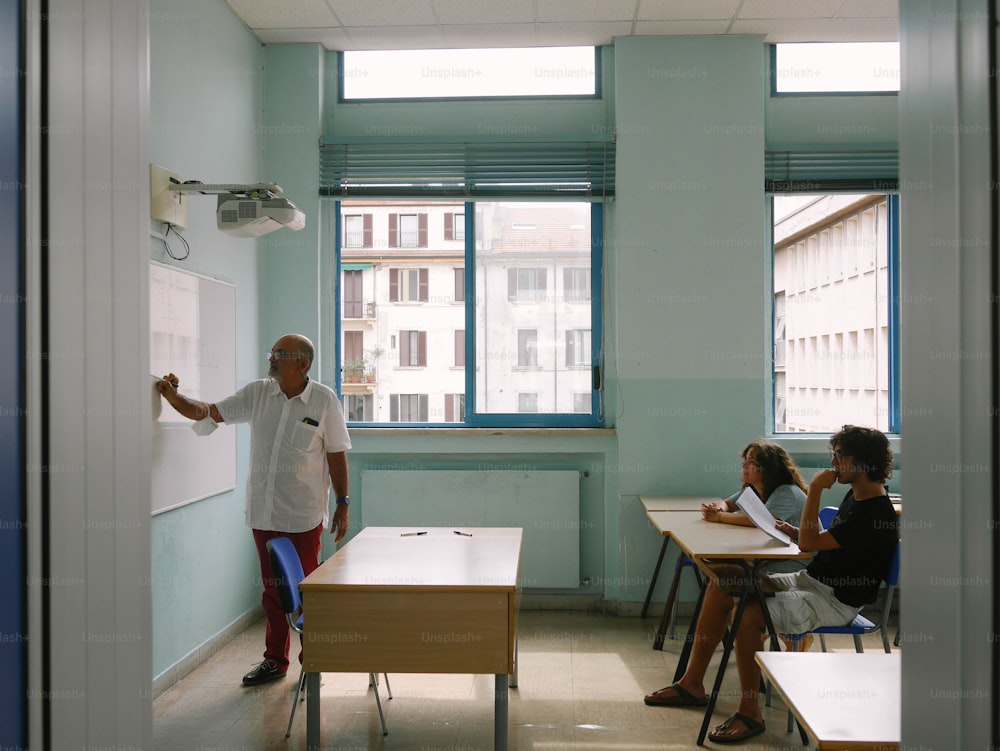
(860, 625)
(288, 574)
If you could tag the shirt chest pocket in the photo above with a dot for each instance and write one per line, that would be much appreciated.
(304, 437)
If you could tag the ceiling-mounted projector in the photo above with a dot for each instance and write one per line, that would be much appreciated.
(252, 217)
(248, 210)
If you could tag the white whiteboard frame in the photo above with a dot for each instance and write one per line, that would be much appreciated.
(185, 467)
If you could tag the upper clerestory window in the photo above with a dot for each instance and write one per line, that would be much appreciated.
(835, 68)
(468, 73)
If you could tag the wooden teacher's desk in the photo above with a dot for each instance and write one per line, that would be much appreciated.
(395, 601)
(843, 700)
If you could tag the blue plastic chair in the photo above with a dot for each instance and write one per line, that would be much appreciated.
(288, 574)
(860, 625)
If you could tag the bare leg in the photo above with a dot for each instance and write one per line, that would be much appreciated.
(747, 643)
(710, 629)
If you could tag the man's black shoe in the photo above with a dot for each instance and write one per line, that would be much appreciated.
(262, 673)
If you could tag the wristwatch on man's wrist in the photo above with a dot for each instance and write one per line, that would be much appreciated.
(346, 500)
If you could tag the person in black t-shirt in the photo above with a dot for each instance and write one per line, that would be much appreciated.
(851, 558)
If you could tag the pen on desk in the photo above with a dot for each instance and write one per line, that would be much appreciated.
(411, 534)
(464, 534)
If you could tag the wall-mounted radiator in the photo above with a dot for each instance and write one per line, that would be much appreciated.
(545, 504)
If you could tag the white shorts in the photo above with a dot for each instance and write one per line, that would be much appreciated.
(802, 603)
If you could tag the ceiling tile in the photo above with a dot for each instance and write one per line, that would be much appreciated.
(821, 30)
(813, 9)
(579, 34)
(685, 10)
(569, 11)
(490, 35)
(484, 11)
(266, 14)
(674, 28)
(394, 13)
(869, 9)
(396, 38)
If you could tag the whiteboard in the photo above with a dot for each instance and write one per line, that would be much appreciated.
(192, 321)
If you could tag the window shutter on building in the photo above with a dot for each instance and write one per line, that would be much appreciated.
(421, 230)
(393, 230)
(366, 240)
(423, 294)
(449, 225)
(393, 285)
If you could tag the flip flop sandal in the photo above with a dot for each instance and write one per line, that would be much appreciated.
(752, 728)
(681, 698)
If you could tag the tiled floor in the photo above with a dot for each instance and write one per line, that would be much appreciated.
(582, 677)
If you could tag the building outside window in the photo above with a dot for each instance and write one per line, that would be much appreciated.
(413, 337)
(834, 264)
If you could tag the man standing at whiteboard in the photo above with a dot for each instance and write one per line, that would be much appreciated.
(298, 448)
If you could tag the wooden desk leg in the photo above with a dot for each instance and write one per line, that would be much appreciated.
(313, 742)
(500, 713)
(656, 573)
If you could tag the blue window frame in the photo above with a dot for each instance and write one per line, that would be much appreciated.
(564, 248)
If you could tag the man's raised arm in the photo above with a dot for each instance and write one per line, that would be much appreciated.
(192, 409)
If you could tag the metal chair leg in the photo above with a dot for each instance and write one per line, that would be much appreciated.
(299, 691)
(378, 702)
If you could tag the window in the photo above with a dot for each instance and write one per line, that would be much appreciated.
(358, 231)
(408, 407)
(454, 407)
(527, 402)
(482, 327)
(407, 230)
(459, 348)
(454, 226)
(412, 348)
(835, 324)
(577, 348)
(525, 284)
(353, 292)
(358, 407)
(576, 285)
(408, 285)
(825, 67)
(527, 349)
(453, 73)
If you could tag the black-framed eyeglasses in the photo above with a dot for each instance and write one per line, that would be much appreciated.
(280, 354)
(838, 455)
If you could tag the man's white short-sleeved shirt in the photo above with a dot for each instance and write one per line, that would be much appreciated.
(288, 489)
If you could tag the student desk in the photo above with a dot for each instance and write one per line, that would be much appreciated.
(396, 602)
(708, 543)
(845, 701)
(654, 505)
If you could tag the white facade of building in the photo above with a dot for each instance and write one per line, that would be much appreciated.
(831, 305)
(403, 309)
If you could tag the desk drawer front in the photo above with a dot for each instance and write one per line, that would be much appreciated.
(403, 632)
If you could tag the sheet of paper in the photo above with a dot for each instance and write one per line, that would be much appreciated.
(754, 508)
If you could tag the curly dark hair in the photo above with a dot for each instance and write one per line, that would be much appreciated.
(775, 464)
(868, 447)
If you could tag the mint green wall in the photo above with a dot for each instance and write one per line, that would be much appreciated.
(206, 88)
(689, 270)
(290, 261)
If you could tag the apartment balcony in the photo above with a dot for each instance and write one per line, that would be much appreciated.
(358, 377)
